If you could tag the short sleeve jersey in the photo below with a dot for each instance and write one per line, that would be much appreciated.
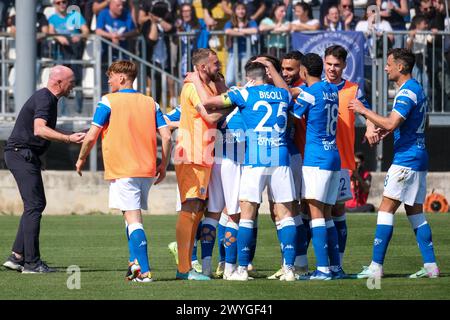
(319, 103)
(264, 111)
(409, 138)
(41, 105)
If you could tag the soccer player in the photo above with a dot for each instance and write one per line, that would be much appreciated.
(173, 121)
(319, 101)
(194, 159)
(264, 112)
(225, 181)
(335, 62)
(406, 178)
(128, 122)
(290, 68)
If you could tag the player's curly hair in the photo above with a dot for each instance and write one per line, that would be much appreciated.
(313, 64)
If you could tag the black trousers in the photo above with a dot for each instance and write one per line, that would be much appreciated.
(26, 169)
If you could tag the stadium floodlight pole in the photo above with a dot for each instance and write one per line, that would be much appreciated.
(25, 65)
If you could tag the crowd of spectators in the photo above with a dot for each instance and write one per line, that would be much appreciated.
(120, 21)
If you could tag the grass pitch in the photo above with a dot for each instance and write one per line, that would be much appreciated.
(97, 244)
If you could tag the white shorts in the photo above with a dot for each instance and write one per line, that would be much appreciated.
(296, 168)
(279, 181)
(129, 193)
(320, 185)
(344, 191)
(223, 188)
(405, 185)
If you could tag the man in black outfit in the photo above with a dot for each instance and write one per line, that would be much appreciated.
(30, 138)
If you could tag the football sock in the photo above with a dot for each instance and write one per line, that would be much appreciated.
(423, 236)
(306, 223)
(132, 257)
(244, 240)
(230, 242)
(278, 226)
(301, 259)
(333, 246)
(197, 238)
(208, 239)
(288, 236)
(253, 244)
(341, 227)
(320, 244)
(383, 234)
(185, 234)
(139, 241)
(221, 235)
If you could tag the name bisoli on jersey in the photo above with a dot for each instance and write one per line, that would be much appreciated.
(275, 95)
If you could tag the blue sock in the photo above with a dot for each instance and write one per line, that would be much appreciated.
(132, 257)
(341, 227)
(383, 234)
(230, 242)
(139, 241)
(288, 234)
(197, 238)
(245, 236)
(221, 236)
(301, 259)
(208, 236)
(253, 245)
(320, 243)
(278, 226)
(423, 236)
(306, 221)
(333, 245)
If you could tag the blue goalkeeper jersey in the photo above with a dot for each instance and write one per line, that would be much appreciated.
(264, 110)
(320, 103)
(409, 138)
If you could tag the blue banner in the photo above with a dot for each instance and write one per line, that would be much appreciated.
(352, 41)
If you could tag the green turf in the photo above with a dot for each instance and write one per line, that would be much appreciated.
(97, 245)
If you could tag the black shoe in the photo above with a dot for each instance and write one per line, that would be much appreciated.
(38, 267)
(13, 263)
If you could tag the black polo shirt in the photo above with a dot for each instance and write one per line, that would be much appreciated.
(42, 104)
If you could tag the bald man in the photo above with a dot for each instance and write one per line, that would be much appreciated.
(33, 131)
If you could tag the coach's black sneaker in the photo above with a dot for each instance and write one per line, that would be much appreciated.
(38, 267)
(13, 263)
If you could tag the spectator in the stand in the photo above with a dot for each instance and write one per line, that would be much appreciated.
(208, 6)
(418, 44)
(332, 21)
(71, 28)
(255, 8)
(41, 29)
(115, 24)
(304, 18)
(360, 180)
(158, 23)
(346, 11)
(241, 29)
(166, 9)
(188, 22)
(99, 5)
(395, 11)
(324, 6)
(5, 5)
(277, 27)
(434, 12)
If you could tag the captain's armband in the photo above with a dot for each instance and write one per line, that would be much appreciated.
(226, 100)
